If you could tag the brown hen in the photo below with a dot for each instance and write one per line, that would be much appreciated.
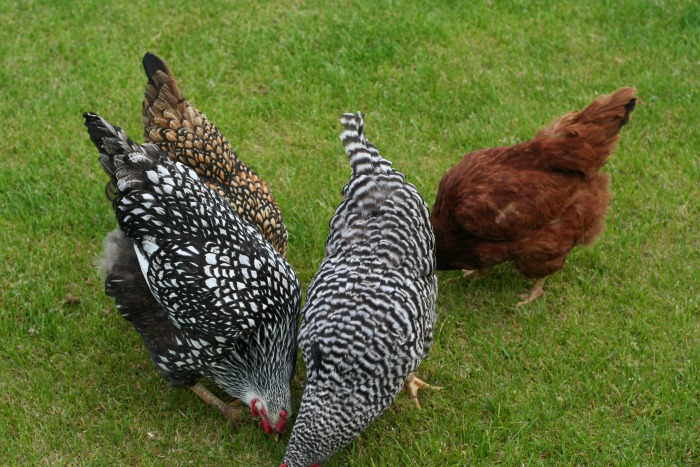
(531, 203)
(188, 136)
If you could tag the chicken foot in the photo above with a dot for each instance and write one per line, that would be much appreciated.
(413, 384)
(230, 412)
(533, 294)
(474, 273)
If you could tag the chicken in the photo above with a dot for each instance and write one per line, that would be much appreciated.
(370, 309)
(533, 202)
(218, 300)
(187, 135)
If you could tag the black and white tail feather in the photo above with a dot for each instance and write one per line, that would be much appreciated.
(364, 156)
(370, 309)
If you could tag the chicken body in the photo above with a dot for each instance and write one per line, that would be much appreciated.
(370, 310)
(218, 300)
(531, 203)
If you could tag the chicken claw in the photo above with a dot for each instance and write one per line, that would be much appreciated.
(413, 384)
(533, 294)
(470, 273)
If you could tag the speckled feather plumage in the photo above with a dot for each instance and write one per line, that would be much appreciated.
(370, 309)
(223, 303)
(188, 136)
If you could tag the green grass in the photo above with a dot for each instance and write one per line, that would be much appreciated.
(605, 369)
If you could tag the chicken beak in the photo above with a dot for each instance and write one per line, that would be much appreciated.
(277, 437)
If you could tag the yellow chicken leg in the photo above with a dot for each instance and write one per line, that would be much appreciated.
(230, 412)
(413, 384)
(533, 294)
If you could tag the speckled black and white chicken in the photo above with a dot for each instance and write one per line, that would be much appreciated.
(187, 136)
(218, 300)
(370, 311)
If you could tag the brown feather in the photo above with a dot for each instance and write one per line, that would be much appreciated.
(531, 203)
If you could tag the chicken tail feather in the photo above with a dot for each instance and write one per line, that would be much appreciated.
(364, 156)
(123, 160)
(160, 79)
(162, 107)
(588, 137)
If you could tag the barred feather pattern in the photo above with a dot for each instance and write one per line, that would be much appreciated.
(188, 136)
(370, 310)
(229, 302)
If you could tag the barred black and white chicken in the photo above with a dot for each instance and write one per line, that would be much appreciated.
(218, 300)
(370, 311)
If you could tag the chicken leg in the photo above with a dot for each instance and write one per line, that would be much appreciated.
(230, 412)
(413, 384)
(533, 294)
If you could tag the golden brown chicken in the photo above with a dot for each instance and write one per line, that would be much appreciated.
(188, 136)
(531, 203)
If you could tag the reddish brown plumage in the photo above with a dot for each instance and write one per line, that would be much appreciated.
(531, 203)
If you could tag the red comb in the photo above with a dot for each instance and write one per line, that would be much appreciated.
(253, 408)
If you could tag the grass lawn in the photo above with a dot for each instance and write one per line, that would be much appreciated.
(605, 369)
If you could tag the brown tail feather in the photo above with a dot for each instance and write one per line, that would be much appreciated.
(161, 88)
(590, 136)
(152, 64)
